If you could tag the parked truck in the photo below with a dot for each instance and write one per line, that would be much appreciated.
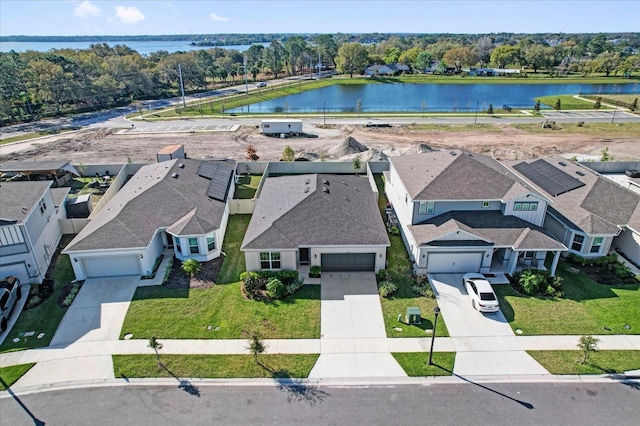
(281, 127)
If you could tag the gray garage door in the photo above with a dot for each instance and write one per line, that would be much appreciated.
(454, 262)
(348, 262)
(111, 266)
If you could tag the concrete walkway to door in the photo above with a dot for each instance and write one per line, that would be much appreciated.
(353, 340)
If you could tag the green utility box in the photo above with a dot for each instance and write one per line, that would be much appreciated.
(413, 316)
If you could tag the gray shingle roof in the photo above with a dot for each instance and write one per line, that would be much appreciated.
(18, 199)
(295, 211)
(59, 194)
(457, 175)
(489, 226)
(153, 199)
(599, 207)
(40, 166)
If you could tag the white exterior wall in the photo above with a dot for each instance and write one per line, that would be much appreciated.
(281, 126)
(396, 193)
(17, 256)
(536, 217)
(149, 256)
(588, 241)
(628, 242)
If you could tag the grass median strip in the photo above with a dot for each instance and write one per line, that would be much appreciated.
(215, 366)
(415, 364)
(10, 375)
(600, 362)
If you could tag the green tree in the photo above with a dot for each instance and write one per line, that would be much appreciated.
(254, 54)
(607, 62)
(504, 55)
(356, 164)
(328, 49)
(604, 154)
(295, 47)
(459, 56)
(490, 109)
(597, 104)
(423, 61)
(191, 267)
(587, 344)
(536, 107)
(634, 105)
(274, 57)
(256, 346)
(352, 57)
(288, 154)
(155, 344)
(558, 105)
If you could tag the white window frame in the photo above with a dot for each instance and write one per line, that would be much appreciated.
(431, 207)
(422, 208)
(270, 260)
(176, 242)
(599, 246)
(211, 239)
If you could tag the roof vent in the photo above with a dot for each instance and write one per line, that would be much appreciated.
(325, 189)
(562, 163)
(324, 181)
(453, 153)
(346, 198)
(344, 182)
(307, 181)
(181, 165)
(24, 209)
(306, 190)
(356, 188)
(174, 175)
(578, 172)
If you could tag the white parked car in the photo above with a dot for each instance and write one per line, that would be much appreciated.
(261, 84)
(479, 289)
(10, 293)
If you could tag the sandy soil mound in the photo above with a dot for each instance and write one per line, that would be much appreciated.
(347, 147)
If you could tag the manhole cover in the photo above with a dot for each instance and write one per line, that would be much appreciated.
(518, 331)
(128, 336)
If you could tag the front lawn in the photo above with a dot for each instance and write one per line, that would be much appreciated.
(188, 313)
(415, 364)
(399, 272)
(588, 308)
(10, 375)
(215, 366)
(567, 102)
(45, 317)
(600, 362)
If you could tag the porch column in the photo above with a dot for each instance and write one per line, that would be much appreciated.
(554, 264)
(513, 262)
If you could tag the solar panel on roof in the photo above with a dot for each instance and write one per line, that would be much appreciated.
(207, 170)
(220, 182)
(548, 177)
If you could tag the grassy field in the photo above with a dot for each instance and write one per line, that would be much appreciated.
(596, 129)
(489, 128)
(567, 102)
(45, 317)
(247, 186)
(154, 310)
(588, 308)
(415, 364)
(215, 366)
(10, 375)
(399, 271)
(627, 98)
(600, 362)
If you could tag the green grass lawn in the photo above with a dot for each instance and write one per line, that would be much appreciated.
(595, 129)
(155, 311)
(45, 317)
(247, 187)
(600, 362)
(215, 366)
(399, 271)
(626, 98)
(415, 364)
(588, 308)
(10, 375)
(489, 128)
(566, 102)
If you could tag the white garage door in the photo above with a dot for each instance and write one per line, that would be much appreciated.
(111, 266)
(454, 262)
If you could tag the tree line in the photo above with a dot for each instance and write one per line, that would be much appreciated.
(35, 84)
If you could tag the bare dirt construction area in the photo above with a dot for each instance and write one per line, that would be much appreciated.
(335, 142)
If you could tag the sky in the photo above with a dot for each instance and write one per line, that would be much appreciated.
(146, 17)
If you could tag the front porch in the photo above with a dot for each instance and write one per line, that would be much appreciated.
(507, 261)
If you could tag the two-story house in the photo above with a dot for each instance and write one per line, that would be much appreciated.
(181, 204)
(29, 228)
(590, 214)
(464, 212)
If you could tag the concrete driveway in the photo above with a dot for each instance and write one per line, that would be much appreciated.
(353, 339)
(98, 311)
(484, 343)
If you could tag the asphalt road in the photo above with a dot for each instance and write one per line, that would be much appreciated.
(455, 404)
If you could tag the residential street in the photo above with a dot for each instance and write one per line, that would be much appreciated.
(454, 404)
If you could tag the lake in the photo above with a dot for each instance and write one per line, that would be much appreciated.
(412, 97)
(142, 47)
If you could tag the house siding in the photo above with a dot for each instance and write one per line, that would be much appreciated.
(288, 259)
(536, 217)
(628, 242)
(396, 192)
(558, 230)
(441, 207)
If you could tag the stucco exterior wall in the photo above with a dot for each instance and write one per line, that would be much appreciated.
(628, 242)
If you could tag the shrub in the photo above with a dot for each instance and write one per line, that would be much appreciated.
(32, 302)
(275, 288)
(530, 282)
(315, 271)
(252, 285)
(422, 290)
(294, 286)
(534, 282)
(394, 230)
(490, 109)
(382, 275)
(191, 267)
(387, 289)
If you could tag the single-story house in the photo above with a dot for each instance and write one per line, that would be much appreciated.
(589, 213)
(181, 204)
(29, 228)
(464, 212)
(332, 221)
(60, 172)
(388, 69)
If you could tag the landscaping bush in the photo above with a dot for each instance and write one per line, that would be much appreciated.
(604, 270)
(275, 288)
(421, 287)
(315, 271)
(252, 285)
(381, 275)
(191, 267)
(269, 284)
(387, 289)
(394, 230)
(536, 282)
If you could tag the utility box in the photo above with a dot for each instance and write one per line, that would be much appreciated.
(170, 152)
(281, 127)
(79, 207)
(413, 316)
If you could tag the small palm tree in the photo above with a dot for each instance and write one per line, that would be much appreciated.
(191, 267)
(155, 344)
(587, 344)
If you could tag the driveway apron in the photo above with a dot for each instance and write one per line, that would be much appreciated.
(353, 338)
(485, 343)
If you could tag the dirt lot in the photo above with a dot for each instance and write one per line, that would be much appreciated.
(333, 143)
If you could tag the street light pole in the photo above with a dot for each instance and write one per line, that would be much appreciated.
(436, 311)
(476, 119)
(614, 115)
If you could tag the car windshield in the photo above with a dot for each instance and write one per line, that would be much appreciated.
(487, 296)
